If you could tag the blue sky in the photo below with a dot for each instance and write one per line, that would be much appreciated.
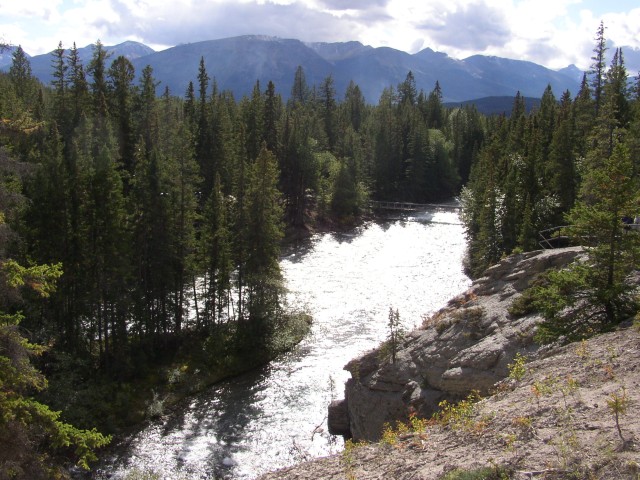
(554, 33)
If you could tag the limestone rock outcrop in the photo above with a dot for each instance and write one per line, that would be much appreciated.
(465, 346)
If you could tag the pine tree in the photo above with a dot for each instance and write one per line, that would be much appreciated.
(387, 148)
(224, 140)
(300, 90)
(616, 89)
(467, 132)
(203, 134)
(594, 296)
(253, 117)
(120, 78)
(97, 69)
(598, 67)
(215, 256)
(183, 177)
(344, 198)
(33, 439)
(583, 118)
(60, 88)
(34, 442)
(560, 167)
(328, 111)
(272, 115)
(483, 210)
(48, 235)
(78, 88)
(20, 75)
(420, 175)
(106, 256)
(407, 91)
(190, 105)
(262, 235)
(546, 126)
(298, 164)
(633, 138)
(354, 106)
(152, 248)
(434, 110)
(146, 115)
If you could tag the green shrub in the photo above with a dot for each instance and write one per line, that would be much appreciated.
(517, 369)
(484, 473)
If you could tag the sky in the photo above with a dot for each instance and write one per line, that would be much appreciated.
(554, 33)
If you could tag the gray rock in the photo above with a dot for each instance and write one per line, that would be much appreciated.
(338, 418)
(467, 346)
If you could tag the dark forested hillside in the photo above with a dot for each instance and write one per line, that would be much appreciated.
(497, 105)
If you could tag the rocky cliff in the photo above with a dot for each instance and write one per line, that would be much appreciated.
(557, 422)
(466, 346)
(570, 413)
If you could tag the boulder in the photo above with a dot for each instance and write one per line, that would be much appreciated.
(338, 418)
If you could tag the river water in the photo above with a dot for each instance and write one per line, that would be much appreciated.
(277, 415)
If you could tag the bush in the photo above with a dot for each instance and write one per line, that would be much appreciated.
(484, 473)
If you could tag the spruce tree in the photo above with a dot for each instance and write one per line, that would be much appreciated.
(146, 115)
(598, 67)
(262, 234)
(97, 69)
(272, 115)
(253, 117)
(34, 442)
(203, 136)
(616, 89)
(407, 91)
(20, 75)
(433, 109)
(560, 168)
(344, 198)
(388, 146)
(60, 88)
(328, 110)
(215, 256)
(354, 106)
(182, 184)
(595, 295)
(78, 87)
(120, 78)
(300, 90)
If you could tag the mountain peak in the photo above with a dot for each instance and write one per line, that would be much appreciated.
(238, 62)
(333, 52)
(130, 49)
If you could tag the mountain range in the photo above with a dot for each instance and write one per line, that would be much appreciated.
(237, 63)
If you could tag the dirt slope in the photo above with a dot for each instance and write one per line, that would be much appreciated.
(556, 421)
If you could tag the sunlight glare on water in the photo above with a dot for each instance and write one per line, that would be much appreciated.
(276, 416)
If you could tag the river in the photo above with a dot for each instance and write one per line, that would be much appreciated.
(276, 415)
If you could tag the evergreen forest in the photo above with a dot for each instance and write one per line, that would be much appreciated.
(141, 232)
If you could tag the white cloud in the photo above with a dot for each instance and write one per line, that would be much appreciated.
(552, 32)
(32, 9)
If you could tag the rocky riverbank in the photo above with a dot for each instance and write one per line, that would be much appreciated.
(554, 419)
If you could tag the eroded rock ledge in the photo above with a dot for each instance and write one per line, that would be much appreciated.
(466, 346)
